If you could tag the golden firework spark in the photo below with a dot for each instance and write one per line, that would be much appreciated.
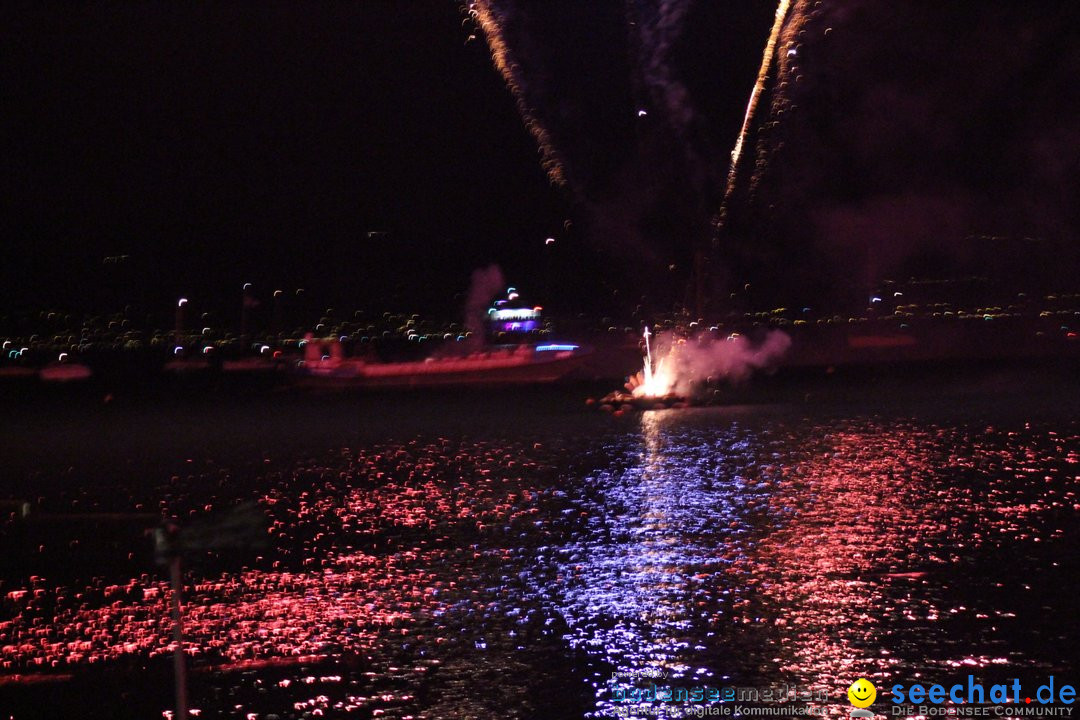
(786, 62)
(491, 21)
(751, 105)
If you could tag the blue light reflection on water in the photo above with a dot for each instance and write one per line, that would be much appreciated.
(721, 554)
(661, 529)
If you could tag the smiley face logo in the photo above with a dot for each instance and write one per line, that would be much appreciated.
(861, 693)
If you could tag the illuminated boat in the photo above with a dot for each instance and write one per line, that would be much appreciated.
(512, 361)
(517, 365)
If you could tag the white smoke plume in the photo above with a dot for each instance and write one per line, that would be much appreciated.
(686, 363)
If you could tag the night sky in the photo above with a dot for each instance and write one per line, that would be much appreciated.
(370, 152)
(218, 144)
(927, 140)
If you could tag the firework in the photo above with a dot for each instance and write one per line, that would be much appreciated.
(787, 57)
(492, 21)
(755, 95)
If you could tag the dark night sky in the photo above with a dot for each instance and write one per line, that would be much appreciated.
(224, 143)
(218, 144)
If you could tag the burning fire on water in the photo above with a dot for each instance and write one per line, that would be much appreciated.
(681, 363)
(655, 381)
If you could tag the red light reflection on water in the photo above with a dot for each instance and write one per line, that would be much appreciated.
(716, 548)
(363, 572)
(881, 512)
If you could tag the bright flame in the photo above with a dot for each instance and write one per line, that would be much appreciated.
(656, 380)
(683, 365)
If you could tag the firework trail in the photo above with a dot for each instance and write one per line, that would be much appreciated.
(751, 106)
(492, 22)
(786, 66)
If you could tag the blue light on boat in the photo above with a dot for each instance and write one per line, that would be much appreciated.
(546, 348)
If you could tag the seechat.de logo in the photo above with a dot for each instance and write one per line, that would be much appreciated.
(975, 692)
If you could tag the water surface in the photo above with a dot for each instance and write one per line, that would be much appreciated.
(502, 556)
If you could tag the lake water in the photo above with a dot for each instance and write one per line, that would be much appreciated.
(502, 555)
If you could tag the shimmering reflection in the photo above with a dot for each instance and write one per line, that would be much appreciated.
(480, 577)
(810, 555)
(670, 515)
(863, 528)
(888, 566)
(392, 574)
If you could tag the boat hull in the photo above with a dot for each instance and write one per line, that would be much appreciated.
(443, 374)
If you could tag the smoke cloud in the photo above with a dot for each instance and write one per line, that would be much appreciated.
(487, 282)
(687, 363)
(887, 155)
